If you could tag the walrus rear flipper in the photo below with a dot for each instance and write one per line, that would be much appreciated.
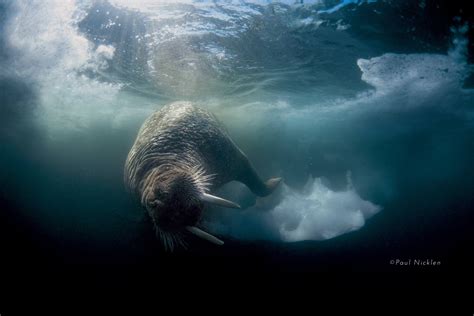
(251, 179)
(270, 201)
(272, 184)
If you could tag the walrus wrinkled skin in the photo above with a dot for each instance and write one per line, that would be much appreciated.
(181, 154)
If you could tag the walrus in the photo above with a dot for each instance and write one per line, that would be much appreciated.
(181, 155)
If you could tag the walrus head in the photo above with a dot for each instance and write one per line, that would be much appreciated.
(175, 197)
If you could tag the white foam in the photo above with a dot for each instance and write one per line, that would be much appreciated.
(415, 72)
(419, 75)
(320, 213)
(316, 213)
(51, 54)
(45, 39)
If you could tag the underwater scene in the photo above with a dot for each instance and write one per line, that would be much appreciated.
(363, 108)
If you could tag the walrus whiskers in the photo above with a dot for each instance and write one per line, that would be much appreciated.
(170, 240)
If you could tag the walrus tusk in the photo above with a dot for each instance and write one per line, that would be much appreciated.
(202, 234)
(218, 201)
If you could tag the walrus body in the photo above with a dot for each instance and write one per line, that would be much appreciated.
(181, 154)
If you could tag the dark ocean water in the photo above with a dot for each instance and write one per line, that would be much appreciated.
(365, 108)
